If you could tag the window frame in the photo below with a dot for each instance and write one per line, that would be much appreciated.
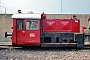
(31, 21)
(18, 21)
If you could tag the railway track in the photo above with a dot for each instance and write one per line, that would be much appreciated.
(5, 45)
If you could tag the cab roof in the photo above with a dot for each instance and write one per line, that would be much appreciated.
(31, 16)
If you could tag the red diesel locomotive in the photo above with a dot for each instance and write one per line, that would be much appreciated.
(37, 30)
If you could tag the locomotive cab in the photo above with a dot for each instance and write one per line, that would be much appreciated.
(26, 29)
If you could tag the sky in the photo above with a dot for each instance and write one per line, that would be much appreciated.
(47, 6)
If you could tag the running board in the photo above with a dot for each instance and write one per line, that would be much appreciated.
(58, 45)
(86, 34)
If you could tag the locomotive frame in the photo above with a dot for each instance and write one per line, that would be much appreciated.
(37, 30)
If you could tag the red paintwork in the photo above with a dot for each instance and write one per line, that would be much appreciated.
(49, 25)
(64, 25)
(43, 16)
(20, 37)
(14, 33)
(32, 37)
(75, 25)
(83, 27)
(61, 25)
(35, 39)
(20, 34)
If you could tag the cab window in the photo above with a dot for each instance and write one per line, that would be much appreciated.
(32, 25)
(20, 24)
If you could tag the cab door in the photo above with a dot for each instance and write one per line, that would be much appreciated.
(20, 31)
(32, 36)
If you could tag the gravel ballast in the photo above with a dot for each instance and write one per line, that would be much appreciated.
(44, 54)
